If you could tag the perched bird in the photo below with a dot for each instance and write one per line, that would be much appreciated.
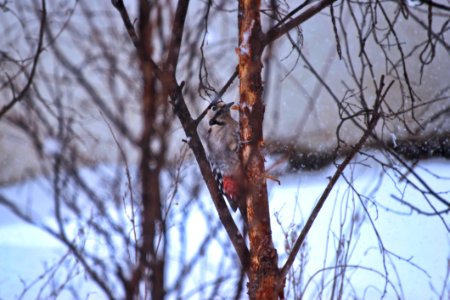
(223, 144)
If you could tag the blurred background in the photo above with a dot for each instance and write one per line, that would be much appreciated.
(71, 120)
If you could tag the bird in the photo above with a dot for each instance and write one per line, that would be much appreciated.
(223, 144)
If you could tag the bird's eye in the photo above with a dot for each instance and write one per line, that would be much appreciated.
(214, 108)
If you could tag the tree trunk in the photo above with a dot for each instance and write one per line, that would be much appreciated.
(264, 279)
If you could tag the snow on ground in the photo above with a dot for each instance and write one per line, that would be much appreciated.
(422, 240)
(25, 252)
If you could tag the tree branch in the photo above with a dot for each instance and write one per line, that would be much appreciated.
(190, 127)
(193, 140)
(177, 35)
(167, 77)
(277, 31)
(300, 157)
(264, 277)
(120, 6)
(340, 169)
(19, 97)
(436, 4)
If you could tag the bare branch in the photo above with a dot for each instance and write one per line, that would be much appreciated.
(22, 93)
(120, 6)
(190, 129)
(376, 114)
(311, 11)
(177, 34)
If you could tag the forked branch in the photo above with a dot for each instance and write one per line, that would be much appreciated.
(375, 116)
(22, 93)
(168, 79)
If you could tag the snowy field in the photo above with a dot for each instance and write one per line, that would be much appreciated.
(419, 246)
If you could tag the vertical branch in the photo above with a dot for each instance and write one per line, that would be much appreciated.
(151, 262)
(263, 273)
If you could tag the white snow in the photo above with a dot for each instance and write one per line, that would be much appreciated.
(52, 146)
(212, 36)
(414, 3)
(26, 251)
(394, 140)
(249, 107)
(244, 47)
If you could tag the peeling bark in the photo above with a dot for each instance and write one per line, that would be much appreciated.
(264, 282)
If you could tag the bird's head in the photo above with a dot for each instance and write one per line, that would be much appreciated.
(219, 112)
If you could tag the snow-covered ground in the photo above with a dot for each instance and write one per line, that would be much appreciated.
(418, 246)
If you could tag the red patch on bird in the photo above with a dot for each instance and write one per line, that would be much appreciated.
(230, 187)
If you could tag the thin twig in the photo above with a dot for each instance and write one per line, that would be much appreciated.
(19, 97)
(340, 169)
(311, 11)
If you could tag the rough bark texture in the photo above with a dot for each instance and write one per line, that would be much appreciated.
(264, 277)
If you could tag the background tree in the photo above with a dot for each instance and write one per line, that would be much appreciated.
(95, 97)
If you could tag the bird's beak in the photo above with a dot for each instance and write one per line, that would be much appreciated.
(233, 106)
